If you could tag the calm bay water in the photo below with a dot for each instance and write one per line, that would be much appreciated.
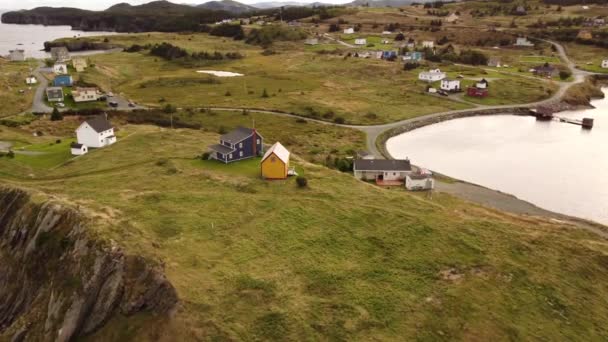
(33, 37)
(554, 165)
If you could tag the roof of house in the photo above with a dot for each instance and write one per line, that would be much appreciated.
(237, 135)
(76, 145)
(279, 150)
(221, 149)
(382, 165)
(544, 68)
(99, 123)
(418, 176)
(54, 92)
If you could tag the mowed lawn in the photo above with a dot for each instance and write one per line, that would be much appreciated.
(338, 260)
(15, 95)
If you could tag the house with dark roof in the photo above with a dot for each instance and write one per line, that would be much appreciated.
(382, 169)
(78, 149)
(60, 54)
(545, 70)
(242, 143)
(96, 132)
(54, 94)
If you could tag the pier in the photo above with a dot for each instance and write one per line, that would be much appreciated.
(546, 114)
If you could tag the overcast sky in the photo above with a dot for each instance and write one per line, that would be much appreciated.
(103, 4)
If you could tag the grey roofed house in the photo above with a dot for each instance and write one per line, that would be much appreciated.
(237, 135)
(99, 123)
(16, 55)
(221, 148)
(76, 145)
(382, 165)
(54, 94)
(60, 54)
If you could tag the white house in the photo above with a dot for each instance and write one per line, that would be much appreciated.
(78, 149)
(605, 63)
(450, 85)
(428, 44)
(417, 181)
(85, 94)
(349, 30)
(360, 41)
(16, 55)
(54, 94)
(96, 132)
(381, 169)
(523, 41)
(311, 41)
(60, 68)
(31, 80)
(431, 75)
(483, 84)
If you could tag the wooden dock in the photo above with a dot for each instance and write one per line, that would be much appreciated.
(545, 114)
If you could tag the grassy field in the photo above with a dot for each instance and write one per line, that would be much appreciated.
(339, 260)
(584, 54)
(296, 79)
(15, 95)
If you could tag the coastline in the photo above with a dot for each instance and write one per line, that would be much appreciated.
(483, 195)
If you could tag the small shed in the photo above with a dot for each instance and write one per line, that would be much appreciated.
(418, 182)
(275, 163)
(78, 149)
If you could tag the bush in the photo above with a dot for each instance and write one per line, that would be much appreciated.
(56, 115)
(10, 154)
(301, 182)
(205, 156)
(264, 93)
(58, 141)
(169, 109)
(339, 120)
(564, 74)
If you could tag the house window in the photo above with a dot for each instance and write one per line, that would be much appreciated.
(257, 141)
(394, 173)
(240, 153)
(240, 145)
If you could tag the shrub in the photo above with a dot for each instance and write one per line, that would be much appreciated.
(339, 120)
(169, 109)
(205, 156)
(222, 130)
(564, 74)
(58, 141)
(10, 154)
(301, 182)
(56, 115)
(227, 93)
(264, 93)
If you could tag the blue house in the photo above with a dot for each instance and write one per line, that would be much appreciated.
(414, 56)
(389, 54)
(242, 143)
(63, 81)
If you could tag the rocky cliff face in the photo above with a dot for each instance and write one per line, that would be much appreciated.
(57, 283)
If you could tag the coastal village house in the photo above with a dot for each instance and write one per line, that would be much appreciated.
(79, 64)
(428, 44)
(60, 68)
(545, 70)
(450, 85)
(605, 63)
(54, 94)
(494, 62)
(419, 181)
(240, 144)
(483, 84)
(360, 41)
(413, 56)
(63, 81)
(31, 80)
(381, 170)
(60, 54)
(85, 94)
(96, 132)
(349, 30)
(311, 41)
(78, 149)
(275, 163)
(16, 55)
(584, 35)
(432, 75)
(523, 41)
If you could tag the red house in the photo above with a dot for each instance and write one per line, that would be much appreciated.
(477, 92)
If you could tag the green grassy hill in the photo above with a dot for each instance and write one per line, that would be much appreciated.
(339, 260)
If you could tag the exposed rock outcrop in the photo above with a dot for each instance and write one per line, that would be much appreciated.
(58, 283)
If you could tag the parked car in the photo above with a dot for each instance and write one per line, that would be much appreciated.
(113, 104)
(60, 105)
(131, 104)
(110, 94)
(442, 92)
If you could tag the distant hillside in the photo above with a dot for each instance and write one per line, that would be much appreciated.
(161, 16)
(276, 4)
(227, 5)
(385, 3)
